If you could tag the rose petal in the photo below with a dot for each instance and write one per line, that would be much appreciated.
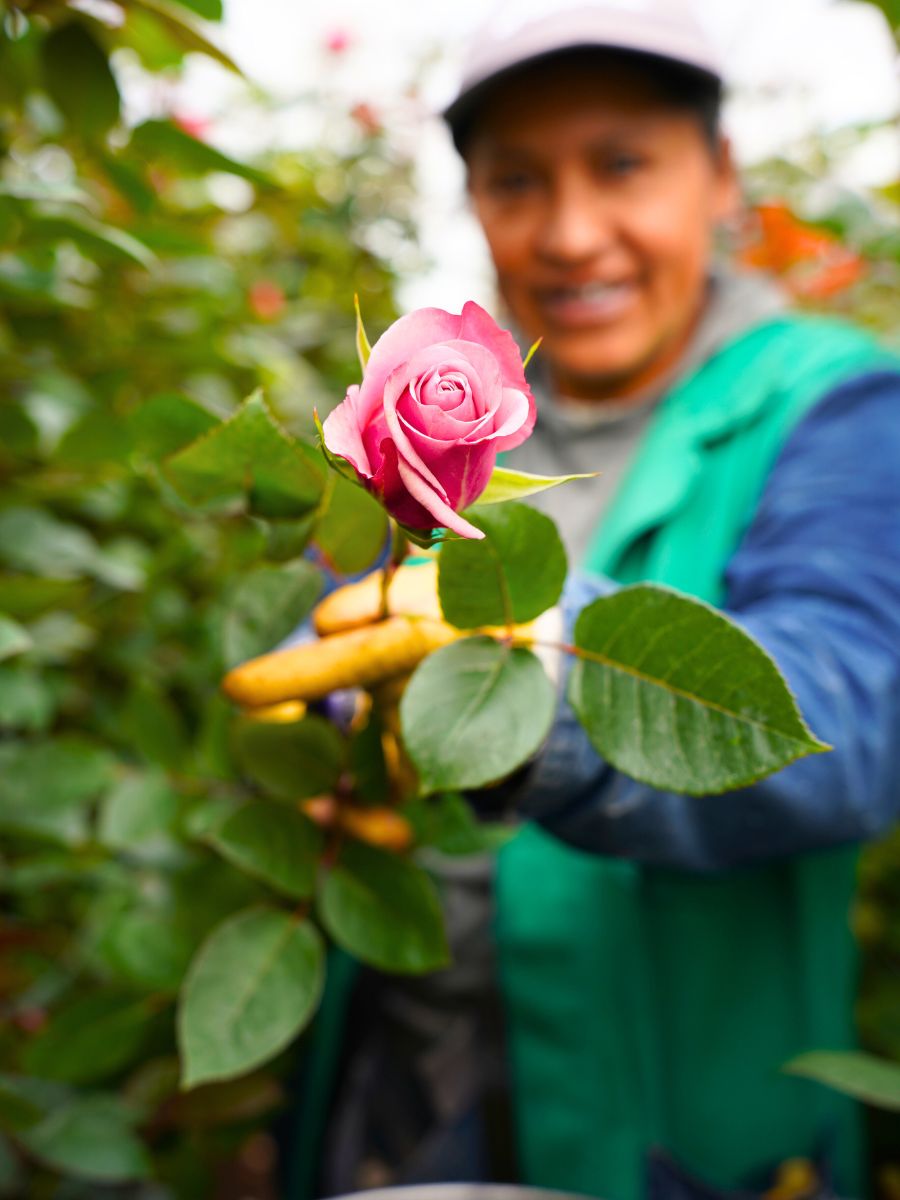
(462, 469)
(398, 344)
(373, 436)
(342, 434)
(397, 384)
(442, 512)
(479, 367)
(444, 427)
(395, 497)
(483, 372)
(445, 391)
(514, 419)
(478, 326)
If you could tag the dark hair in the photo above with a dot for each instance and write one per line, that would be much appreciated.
(678, 85)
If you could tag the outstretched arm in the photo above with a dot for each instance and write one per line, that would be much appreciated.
(816, 580)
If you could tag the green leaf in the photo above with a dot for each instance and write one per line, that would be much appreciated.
(96, 439)
(384, 910)
(287, 540)
(167, 422)
(164, 141)
(27, 596)
(129, 181)
(90, 1039)
(513, 574)
(674, 694)
(13, 638)
(516, 485)
(292, 761)
(448, 824)
(152, 725)
(181, 30)
(79, 79)
(46, 785)
(210, 10)
(206, 817)
(138, 807)
(56, 192)
(274, 843)
(254, 984)
(97, 238)
(91, 1138)
(473, 712)
(148, 948)
(363, 345)
(58, 638)
(21, 1105)
(29, 698)
(12, 1171)
(353, 530)
(371, 782)
(33, 540)
(267, 605)
(863, 1076)
(247, 460)
(18, 434)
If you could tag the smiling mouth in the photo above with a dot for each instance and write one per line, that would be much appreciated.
(586, 304)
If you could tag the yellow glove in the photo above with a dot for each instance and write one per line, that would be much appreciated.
(357, 647)
(360, 648)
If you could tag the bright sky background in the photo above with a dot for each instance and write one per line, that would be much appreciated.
(797, 67)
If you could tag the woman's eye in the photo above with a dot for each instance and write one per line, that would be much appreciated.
(513, 183)
(620, 166)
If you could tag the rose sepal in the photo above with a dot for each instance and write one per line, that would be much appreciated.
(363, 345)
(505, 484)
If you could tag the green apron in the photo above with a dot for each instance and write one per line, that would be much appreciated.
(653, 1007)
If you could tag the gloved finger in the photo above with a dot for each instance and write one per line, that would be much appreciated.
(285, 713)
(379, 826)
(412, 592)
(358, 658)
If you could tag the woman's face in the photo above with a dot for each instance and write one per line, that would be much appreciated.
(598, 201)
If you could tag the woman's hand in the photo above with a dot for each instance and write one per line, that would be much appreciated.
(357, 646)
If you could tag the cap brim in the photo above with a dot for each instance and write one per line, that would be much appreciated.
(462, 109)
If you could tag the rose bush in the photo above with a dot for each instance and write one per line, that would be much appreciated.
(442, 394)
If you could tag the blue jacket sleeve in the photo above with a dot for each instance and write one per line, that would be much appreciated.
(816, 580)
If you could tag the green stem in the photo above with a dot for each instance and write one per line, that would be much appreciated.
(399, 544)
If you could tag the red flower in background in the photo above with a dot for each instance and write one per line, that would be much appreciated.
(367, 118)
(195, 127)
(266, 299)
(812, 263)
(338, 40)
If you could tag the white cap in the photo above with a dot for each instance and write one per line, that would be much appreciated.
(513, 36)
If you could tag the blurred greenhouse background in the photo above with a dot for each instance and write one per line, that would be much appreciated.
(161, 258)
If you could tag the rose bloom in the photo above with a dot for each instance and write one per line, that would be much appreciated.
(442, 394)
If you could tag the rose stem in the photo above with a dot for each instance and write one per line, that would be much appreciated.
(399, 548)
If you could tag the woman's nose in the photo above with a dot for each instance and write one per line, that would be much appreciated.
(576, 228)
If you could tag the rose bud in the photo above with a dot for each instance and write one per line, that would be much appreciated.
(442, 395)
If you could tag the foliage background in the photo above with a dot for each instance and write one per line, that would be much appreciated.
(149, 283)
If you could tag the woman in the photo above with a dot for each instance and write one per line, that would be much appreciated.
(677, 951)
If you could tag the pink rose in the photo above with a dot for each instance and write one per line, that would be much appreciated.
(441, 396)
